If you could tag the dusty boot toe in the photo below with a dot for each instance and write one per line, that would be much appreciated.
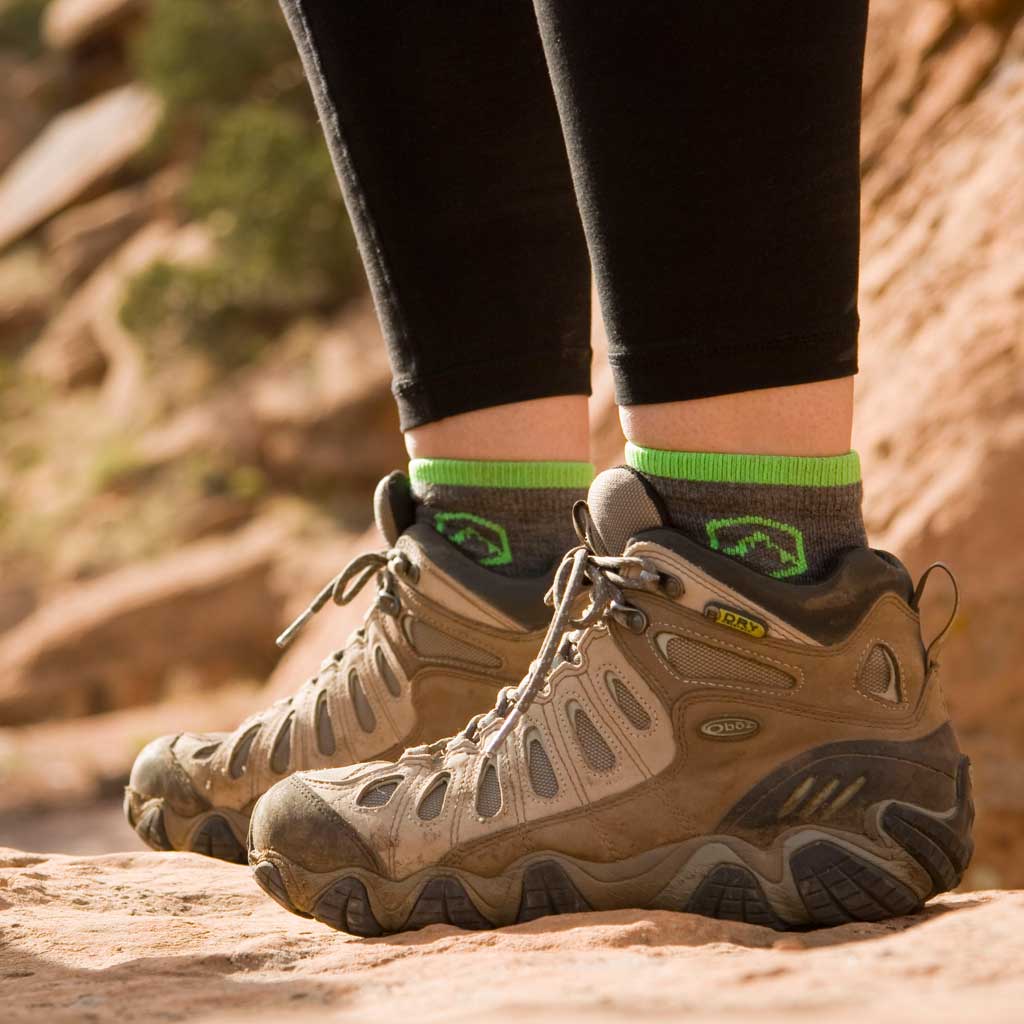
(291, 822)
(157, 775)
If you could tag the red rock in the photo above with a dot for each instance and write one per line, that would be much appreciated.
(211, 610)
(77, 150)
(70, 23)
(114, 937)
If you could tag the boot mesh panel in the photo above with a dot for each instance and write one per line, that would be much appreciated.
(324, 732)
(379, 793)
(488, 797)
(241, 752)
(364, 713)
(282, 751)
(701, 662)
(433, 802)
(430, 642)
(878, 674)
(542, 775)
(628, 704)
(386, 673)
(596, 752)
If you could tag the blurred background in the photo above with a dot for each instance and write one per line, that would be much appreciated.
(194, 399)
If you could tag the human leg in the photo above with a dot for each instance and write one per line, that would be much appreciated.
(444, 131)
(716, 160)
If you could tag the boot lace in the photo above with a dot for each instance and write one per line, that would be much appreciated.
(385, 565)
(605, 579)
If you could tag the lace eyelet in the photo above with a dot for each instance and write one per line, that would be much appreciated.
(632, 618)
(389, 603)
(671, 585)
(636, 620)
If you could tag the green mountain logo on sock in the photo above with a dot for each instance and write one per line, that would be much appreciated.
(480, 538)
(776, 549)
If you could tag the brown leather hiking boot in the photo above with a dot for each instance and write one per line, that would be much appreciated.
(693, 736)
(442, 638)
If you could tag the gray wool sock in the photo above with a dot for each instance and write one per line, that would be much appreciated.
(787, 517)
(515, 518)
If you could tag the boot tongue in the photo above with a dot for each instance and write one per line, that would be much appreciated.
(622, 504)
(393, 507)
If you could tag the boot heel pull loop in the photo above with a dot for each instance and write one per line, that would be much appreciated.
(932, 651)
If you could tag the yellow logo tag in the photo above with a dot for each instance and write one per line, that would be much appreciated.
(740, 621)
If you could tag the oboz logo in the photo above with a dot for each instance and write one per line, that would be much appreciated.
(729, 727)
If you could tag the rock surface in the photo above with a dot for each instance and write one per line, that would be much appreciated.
(60, 768)
(107, 643)
(77, 150)
(145, 936)
(85, 343)
(70, 23)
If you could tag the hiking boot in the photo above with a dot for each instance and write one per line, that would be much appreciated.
(442, 638)
(693, 736)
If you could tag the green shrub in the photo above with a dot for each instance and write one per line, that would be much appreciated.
(266, 186)
(200, 305)
(115, 461)
(262, 179)
(20, 24)
(202, 56)
(267, 182)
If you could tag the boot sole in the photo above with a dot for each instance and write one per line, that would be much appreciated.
(809, 877)
(218, 833)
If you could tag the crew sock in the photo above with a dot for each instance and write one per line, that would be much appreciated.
(787, 517)
(515, 518)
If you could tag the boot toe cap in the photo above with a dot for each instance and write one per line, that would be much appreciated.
(293, 822)
(157, 774)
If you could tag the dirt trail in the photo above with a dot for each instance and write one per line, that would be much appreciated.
(146, 936)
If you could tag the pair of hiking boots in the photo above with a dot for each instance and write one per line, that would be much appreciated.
(681, 733)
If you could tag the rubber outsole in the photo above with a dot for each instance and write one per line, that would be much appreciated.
(213, 838)
(733, 893)
(345, 905)
(827, 880)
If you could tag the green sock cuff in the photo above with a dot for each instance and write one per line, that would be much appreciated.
(480, 473)
(720, 467)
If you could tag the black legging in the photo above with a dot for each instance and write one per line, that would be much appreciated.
(713, 146)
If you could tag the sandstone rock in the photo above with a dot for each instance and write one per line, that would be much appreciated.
(348, 424)
(77, 762)
(86, 342)
(77, 150)
(124, 937)
(24, 85)
(329, 630)
(316, 414)
(27, 289)
(79, 239)
(985, 10)
(210, 610)
(18, 599)
(69, 23)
